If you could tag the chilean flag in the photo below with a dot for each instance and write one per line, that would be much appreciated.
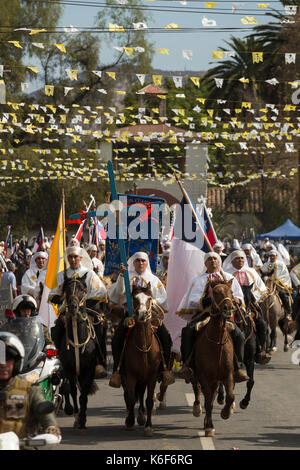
(209, 229)
(39, 242)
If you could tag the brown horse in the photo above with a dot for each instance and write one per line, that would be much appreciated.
(272, 310)
(214, 356)
(142, 358)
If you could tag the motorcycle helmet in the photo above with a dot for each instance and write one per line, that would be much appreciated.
(15, 347)
(24, 301)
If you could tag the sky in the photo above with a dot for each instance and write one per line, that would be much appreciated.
(201, 43)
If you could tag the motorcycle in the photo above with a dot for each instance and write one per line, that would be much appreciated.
(41, 364)
(10, 440)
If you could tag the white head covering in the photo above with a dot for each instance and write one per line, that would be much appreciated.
(41, 254)
(227, 265)
(74, 240)
(219, 244)
(272, 252)
(77, 250)
(161, 264)
(236, 244)
(138, 255)
(74, 250)
(213, 254)
(91, 248)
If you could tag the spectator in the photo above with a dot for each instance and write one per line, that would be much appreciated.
(9, 278)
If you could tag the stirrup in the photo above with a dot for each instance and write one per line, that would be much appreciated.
(115, 380)
(240, 376)
(185, 373)
(100, 372)
(168, 378)
(262, 358)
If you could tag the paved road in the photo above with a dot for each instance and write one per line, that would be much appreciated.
(271, 422)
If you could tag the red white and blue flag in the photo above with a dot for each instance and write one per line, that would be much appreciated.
(8, 241)
(186, 261)
(209, 229)
(39, 242)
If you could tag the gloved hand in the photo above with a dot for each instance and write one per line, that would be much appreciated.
(129, 322)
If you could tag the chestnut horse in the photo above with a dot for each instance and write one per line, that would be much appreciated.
(142, 358)
(214, 356)
(272, 310)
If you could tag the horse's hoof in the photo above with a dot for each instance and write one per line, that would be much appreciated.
(274, 349)
(197, 410)
(243, 404)
(141, 420)
(148, 432)
(162, 405)
(286, 347)
(210, 432)
(226, 413)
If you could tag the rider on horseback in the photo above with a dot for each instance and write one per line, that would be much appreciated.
(236, 264)
(196, 303)
(140, 275)
(278, 272)
(96, 292)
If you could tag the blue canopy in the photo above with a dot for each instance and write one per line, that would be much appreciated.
(288, 230)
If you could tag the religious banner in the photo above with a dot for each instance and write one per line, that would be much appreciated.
(141, 227)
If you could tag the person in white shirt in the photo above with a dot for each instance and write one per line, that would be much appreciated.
(277, 270)
(30, 283)
(253, 258)
(198, 298)
(97, 264)
(140, 274)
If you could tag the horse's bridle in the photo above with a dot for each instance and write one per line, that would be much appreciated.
(80, 302)
(218, 305)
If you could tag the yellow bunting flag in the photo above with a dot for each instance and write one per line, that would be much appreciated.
(196, 81)
(114, 28)
(34, 69)
(72, 74)
(61, 47)
(163, 51)
(49, 90)
(112, 75)
(16, 44)
(157, 79)
(257, 57)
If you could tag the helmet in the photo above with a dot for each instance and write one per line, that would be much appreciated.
(15, 347)
(23, 301)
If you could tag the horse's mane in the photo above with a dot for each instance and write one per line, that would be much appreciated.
(139, 289)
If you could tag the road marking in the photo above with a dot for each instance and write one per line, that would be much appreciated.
(207, 443)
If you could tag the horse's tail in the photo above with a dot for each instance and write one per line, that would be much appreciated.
(93, 388)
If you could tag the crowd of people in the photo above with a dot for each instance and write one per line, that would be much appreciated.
(245, 264)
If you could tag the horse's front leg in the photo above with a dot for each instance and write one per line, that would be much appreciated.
(209, 391)
(73, 392)
(141, 414)
(197, 410)
(250, 365)
(229, 400)
(149, 406)
(161, 396)
(130, 400)
(221, 395)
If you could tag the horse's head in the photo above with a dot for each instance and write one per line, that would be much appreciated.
(222, 298)
(75, 290)
(248, 295)
(142, 302)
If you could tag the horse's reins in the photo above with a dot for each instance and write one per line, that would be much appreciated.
(91, 331)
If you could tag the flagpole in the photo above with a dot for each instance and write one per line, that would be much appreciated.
(114, 196)
(64, 226)
(193, 212)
